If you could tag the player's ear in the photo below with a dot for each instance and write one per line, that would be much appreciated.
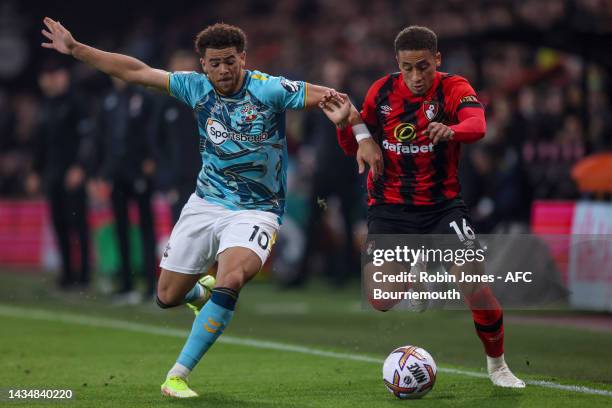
(203, 64)
(243, 59)
(438, 58)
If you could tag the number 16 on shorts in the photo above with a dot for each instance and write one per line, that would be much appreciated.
(467, 230)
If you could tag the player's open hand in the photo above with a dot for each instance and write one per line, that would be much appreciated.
(369, 152)
(438, 132)
(60, 39)
(336, 107)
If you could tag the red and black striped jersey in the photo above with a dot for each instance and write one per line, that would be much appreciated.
(416, 171)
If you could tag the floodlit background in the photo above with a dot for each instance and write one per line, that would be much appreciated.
(542, 68)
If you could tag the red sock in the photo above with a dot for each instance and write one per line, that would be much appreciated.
(488, 319)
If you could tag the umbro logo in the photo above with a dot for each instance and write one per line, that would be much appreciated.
(385, 109)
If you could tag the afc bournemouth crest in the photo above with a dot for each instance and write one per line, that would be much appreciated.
(431, 108)
(250, 112)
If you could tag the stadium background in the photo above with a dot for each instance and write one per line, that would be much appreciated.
(542, 68)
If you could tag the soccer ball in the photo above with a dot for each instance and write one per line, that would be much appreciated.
(409, 372)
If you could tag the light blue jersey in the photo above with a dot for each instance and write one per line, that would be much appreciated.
(242, 138)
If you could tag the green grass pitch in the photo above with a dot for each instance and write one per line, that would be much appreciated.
(312, 348)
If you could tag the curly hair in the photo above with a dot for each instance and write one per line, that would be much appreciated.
(416, 38)
(219, 36)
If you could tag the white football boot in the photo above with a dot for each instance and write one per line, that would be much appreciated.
(500, 373)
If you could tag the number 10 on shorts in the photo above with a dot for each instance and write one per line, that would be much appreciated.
(263, 238)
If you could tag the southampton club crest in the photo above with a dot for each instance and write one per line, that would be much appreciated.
(431, 109)
(249, 112)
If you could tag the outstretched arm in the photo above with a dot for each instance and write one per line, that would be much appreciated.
(316, 93)
(121, 66)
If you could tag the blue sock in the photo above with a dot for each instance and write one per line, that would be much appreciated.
(195, 293)
(208, 326)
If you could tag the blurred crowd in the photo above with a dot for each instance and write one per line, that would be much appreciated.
(534, 63)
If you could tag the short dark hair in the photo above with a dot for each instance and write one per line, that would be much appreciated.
(220, 36)
(416, 38)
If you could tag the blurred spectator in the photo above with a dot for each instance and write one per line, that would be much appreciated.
(59, 161)
(334, 175)
(177, 141)
(125, 162)
(542, 68)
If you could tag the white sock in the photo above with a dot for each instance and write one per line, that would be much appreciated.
(493, 363)
(196, 295)
(178, 370)
(199, 301)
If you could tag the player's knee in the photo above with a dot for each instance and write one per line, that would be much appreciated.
(234, 279)
(236, 267)
(166, 299)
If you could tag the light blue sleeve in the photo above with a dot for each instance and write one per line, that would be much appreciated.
(284, 94)
(188, 87)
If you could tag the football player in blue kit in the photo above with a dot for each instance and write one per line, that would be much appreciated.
(234, 214)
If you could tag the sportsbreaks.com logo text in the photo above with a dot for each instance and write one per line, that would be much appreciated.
(400, 148)
(218, 133)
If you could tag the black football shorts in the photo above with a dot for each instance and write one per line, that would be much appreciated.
(442, 226)
(450, 217)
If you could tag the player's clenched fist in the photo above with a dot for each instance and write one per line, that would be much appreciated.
(439, 132)
(61, 39)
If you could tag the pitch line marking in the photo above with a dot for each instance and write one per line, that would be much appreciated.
(36, 314)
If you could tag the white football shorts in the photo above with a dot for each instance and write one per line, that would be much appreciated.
(206, 229)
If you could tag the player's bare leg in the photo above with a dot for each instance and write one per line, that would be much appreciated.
(370, 285)
(396, 288)
(236, 267)
(174, 288)
(488, 319)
